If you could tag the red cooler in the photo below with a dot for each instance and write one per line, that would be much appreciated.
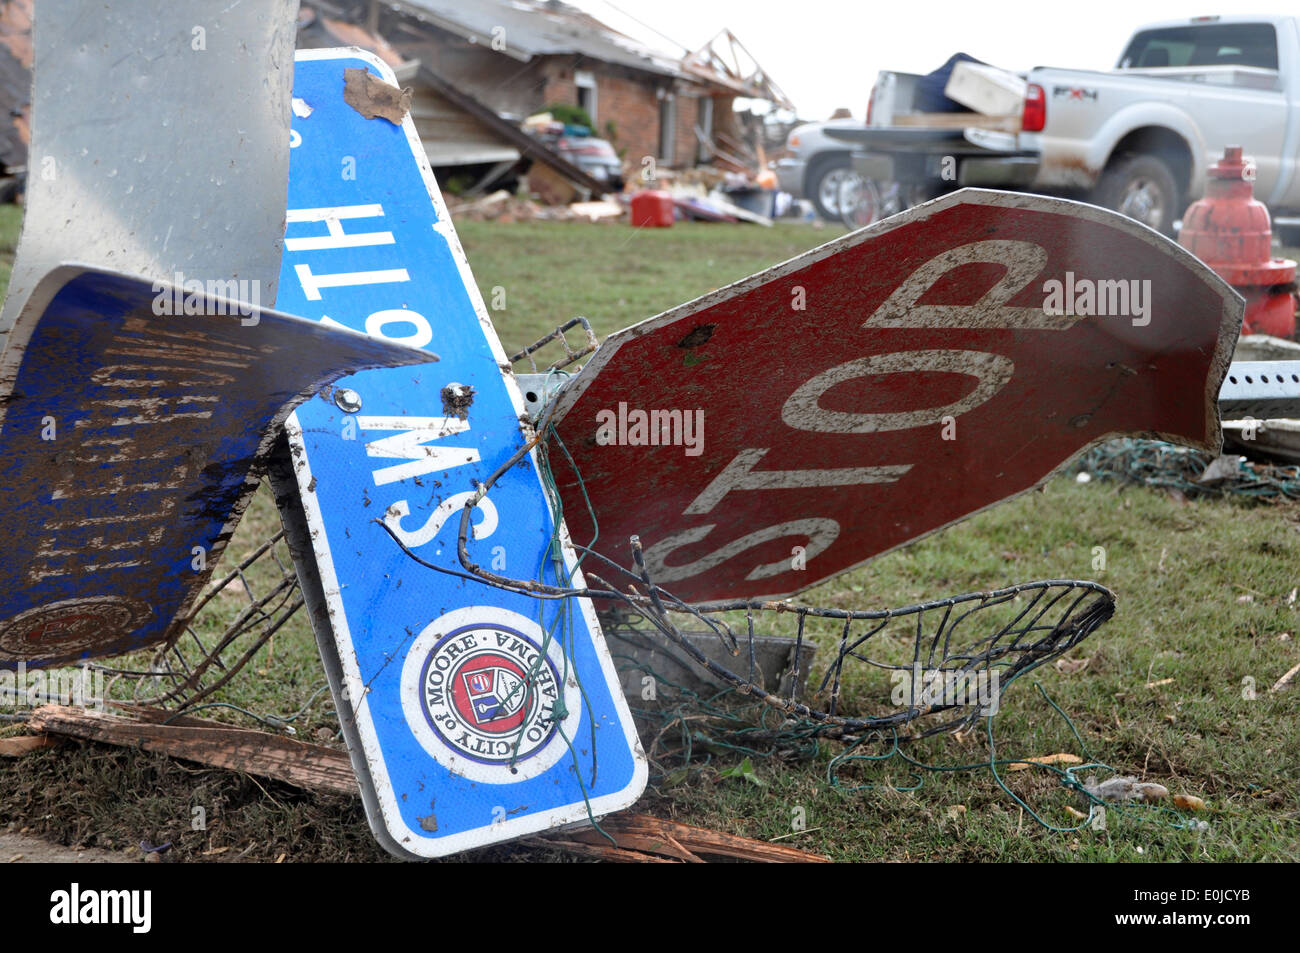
(652, 209)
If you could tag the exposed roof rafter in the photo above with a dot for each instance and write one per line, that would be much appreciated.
(726, 61)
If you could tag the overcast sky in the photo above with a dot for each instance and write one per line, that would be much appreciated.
(825, 53)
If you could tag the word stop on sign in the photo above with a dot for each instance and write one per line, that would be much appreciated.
(885, 385)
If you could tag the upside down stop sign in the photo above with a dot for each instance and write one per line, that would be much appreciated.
(784, 429)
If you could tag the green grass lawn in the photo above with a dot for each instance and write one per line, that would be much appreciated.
(1206, 608)
(611, 274)
(11, 220)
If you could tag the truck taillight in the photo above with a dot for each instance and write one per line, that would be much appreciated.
(1034, 118)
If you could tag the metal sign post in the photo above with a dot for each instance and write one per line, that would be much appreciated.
(158, 144)
(773, 434)
(472, 714)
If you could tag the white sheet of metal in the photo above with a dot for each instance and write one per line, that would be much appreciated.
(135, 164)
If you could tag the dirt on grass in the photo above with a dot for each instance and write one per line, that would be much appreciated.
(19, 848)
(83, 796)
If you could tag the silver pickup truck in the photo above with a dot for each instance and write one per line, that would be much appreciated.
(1137, 138)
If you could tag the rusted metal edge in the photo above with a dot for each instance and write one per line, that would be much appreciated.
(338, 352)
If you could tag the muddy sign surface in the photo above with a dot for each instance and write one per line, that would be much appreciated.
(472, 714)
(775, 433)
(131, 414)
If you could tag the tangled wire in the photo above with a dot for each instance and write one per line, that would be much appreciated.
(957, 642)
(1191, 472)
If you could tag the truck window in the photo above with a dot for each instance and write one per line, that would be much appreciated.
(1227, 44)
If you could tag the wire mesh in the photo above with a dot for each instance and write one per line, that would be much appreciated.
(253, 596)
(982, 639)
(571, 354)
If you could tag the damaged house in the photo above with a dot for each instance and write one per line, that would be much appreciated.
(477, 68)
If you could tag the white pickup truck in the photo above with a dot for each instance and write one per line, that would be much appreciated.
(1137, 138)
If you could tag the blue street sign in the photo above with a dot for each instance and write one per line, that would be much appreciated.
(472, 715)
(131, 415)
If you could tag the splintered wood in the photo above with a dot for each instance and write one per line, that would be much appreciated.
(254, 752)
(641, 838)
(25, 744)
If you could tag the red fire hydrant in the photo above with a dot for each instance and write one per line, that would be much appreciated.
(1229, 230)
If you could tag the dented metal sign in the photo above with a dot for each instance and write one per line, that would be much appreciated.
(775, 433)
(159, 143)
(132, 414)
(472, 714)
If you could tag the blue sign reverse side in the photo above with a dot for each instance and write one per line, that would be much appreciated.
(478, 715)
(131, 414)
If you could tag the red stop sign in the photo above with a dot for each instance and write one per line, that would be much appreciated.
(777, 432)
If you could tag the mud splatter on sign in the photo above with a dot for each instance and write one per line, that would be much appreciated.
(128, 442)
(373, 98)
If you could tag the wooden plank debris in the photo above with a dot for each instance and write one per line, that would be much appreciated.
(25, 744)
(639, 835)
(526, 144)
(300, 763)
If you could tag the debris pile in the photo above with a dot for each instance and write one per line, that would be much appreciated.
(501, 206)
(1187, 472)
(735, 191)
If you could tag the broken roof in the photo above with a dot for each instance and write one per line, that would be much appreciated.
(725, 61)
(527, 28)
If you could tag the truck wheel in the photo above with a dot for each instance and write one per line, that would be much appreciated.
(1143, 188)
(826, 178)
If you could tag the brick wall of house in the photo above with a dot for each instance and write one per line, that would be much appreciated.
(632, 102)
(634, 110)
(559, 86)
(685, 145)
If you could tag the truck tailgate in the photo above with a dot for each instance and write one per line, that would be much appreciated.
(936, 141)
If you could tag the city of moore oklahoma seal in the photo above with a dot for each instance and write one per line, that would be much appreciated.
(483, 697)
